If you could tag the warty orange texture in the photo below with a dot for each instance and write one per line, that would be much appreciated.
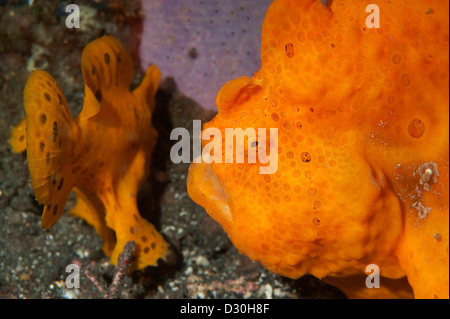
(362, 118)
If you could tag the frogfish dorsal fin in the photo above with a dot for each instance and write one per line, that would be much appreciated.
(106, 66)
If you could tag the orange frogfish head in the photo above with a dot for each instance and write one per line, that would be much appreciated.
(360, 180)
(103, 154)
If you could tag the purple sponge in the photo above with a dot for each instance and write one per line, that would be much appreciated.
(203, 44)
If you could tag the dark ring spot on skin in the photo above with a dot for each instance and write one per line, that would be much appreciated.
(146, 250)
(43, 118)
(93, 71)
(405, 79)
(416, 128)
(42, 146)
(118, 58)
(274, 117)
(396, 59)
(60, 99)
(106, 58)
(136, 218)
(144, 239)
(55, 210)
(98, 95)
(21, 138)
(47, 97)
(306, 157)
(61, 182)
(153, 245)
(132, 230)
(48, 158)
(289, 48)
(54, 180)
(55, 131)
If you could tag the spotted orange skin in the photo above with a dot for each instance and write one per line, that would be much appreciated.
(103, 154)
(359, 112)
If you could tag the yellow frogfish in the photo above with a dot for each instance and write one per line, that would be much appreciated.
(103, 154)
(359, 94)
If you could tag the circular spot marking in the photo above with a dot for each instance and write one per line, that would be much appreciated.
(404, 79)
(312, 191)
(43, 118)
(396, 58)
(106, 58)
(416, 128)
(61, 182)
(275, 117)
(306, 157)
(289, 48)
(316, 204)
(55, 131)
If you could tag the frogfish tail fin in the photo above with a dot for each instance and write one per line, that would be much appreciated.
(51, 135)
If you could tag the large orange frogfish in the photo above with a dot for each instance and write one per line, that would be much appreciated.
(103, 154)
(360, 97)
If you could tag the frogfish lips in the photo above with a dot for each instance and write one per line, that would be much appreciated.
(204, 187)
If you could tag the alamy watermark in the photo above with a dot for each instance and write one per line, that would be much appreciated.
(73, 19)
(373, 19)
(73, 279)
(373, 279)
(251, 144)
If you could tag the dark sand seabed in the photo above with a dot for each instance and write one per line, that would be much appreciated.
(205, 264)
